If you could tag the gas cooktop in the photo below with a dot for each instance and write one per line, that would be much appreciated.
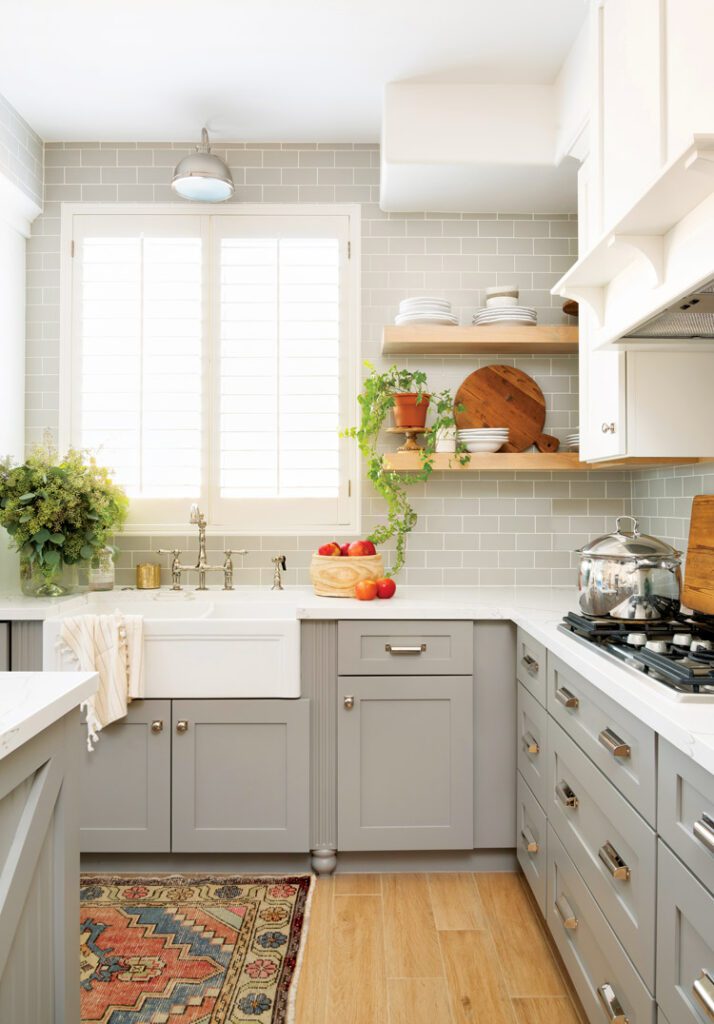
(677, 653)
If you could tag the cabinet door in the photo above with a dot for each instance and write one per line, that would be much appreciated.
(241, 776)
(124, 783)
(405, 763)
(4, 647)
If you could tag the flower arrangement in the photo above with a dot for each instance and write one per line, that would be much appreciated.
(58, 511)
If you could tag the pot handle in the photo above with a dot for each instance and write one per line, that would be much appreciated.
(635, 532)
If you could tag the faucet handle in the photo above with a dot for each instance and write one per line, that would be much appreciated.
(169, 551)
(196, 517)
(237, 551)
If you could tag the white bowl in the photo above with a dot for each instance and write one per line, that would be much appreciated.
(477, 447)
(502, 289)
(497, 301)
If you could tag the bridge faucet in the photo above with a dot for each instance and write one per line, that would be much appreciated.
(198, 519)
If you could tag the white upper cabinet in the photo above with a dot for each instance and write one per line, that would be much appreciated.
(687, 107)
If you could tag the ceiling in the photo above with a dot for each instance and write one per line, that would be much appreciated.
(271, 70)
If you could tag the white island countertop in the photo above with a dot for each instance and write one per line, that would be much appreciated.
(32, 701)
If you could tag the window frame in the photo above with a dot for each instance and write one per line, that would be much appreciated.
(349, 505)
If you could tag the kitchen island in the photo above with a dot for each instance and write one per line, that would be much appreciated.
(39, 844)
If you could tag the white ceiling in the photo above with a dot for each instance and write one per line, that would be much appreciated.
(264, 70)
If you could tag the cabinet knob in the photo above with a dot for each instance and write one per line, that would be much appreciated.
(608, 428)
(349, 703)
(182, 726)
(157, 726)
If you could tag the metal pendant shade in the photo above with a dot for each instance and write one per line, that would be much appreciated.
(202, 176)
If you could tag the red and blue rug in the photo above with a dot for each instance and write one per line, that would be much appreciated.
(184, 949)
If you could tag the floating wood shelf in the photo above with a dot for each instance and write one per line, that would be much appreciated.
(549, 462)
(437, 339)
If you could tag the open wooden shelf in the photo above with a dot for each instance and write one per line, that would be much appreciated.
(438, 339)
(550, 462)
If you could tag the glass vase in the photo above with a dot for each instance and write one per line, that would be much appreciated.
(100, 574)
(42, 581)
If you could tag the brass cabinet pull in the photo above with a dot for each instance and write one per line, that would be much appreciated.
(529, 843)
(182, 726)
(566, 698)
(416, 649)
(531, 664)
(703, 989)
(612, 742)
(566, 914)
(614, 862)
(157, 726)
(530, 744)
(611, 1004)
(704, 831)
(566, 795)
(349, 702)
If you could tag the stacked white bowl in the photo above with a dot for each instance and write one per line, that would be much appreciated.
(573, 441)
(483, 439)
(502, 307)
(425, 309)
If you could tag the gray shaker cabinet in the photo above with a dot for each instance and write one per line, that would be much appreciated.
(240, 772)
(125, 783)
(405, 763)
(4, 646)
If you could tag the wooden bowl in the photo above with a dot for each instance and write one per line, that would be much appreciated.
(336, 575)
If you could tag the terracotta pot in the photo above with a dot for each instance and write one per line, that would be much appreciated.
(408, 412)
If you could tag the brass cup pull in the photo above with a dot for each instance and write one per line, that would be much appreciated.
(530, 844)
(614, 862)
(531, 664)
(182, 726)
(565, 913)
(416, 649)
(530, 744)
(703, 830)
(611, 1004)
(703, 989)
(157, 726)
(566, 698)
(566, 795)
(349, 702)
(612, 742)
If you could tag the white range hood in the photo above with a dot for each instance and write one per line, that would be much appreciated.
(649, 281)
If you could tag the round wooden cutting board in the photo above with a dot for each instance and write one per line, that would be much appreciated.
(502, 396)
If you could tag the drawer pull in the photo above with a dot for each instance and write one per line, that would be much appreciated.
(349, 702)
(614, 862)
(566, 914)
(529, 843)
(182, 726)
(703, 989)
(704, 831)
(157, 725)
(612, 742)
(530, 744)
(416, 649)
(531, 664)
(566, 795)
(566, 698)
(611, 1004)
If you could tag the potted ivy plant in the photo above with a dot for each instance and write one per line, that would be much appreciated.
(377, 398)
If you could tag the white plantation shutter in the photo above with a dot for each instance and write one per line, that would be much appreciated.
(212, 360)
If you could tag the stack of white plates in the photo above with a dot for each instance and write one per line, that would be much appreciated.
(425, 310)
(573, 441)
(507, 314)
(484, 439)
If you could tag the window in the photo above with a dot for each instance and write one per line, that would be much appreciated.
(212, 358)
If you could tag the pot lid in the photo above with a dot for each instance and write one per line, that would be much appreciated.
(628, 544)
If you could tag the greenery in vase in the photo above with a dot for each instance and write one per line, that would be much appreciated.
(59, 511)
(375, 401)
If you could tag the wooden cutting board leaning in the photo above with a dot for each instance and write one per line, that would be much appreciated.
(502, 396)
(698, 591)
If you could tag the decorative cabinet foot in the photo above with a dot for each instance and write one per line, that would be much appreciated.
(324, 860)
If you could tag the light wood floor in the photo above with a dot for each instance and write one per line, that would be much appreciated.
(429, 949)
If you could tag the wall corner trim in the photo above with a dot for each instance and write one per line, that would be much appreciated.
(17, 209)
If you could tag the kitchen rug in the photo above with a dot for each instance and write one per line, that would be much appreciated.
(191, 949)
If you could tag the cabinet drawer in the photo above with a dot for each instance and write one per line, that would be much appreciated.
(597, 723)
(597, 964)
(396, 648)
(613, 848)
(531, 739)
(685, 803)
(685, 943)
(531, 840)
(531, 664)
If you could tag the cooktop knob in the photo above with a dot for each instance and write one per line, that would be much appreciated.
(682, 639)
(656, 646)
(637, 639)
(701, 645)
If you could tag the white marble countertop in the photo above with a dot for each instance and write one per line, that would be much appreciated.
(32, 701)
(687, 725)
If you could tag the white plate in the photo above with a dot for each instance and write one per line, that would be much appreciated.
(482, 431)
(505, 316)
(431, 319)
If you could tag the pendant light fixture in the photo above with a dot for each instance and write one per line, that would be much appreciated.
(202, 176)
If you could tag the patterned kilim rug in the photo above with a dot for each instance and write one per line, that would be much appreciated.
(190, 949)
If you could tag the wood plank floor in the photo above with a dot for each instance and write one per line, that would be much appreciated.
(425, 948)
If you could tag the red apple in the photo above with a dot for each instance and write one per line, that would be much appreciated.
(360, 548)
(345, 548)
(333, 548)
(386, 588)
(366, 590)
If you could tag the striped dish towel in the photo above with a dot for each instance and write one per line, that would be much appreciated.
(112, 646)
